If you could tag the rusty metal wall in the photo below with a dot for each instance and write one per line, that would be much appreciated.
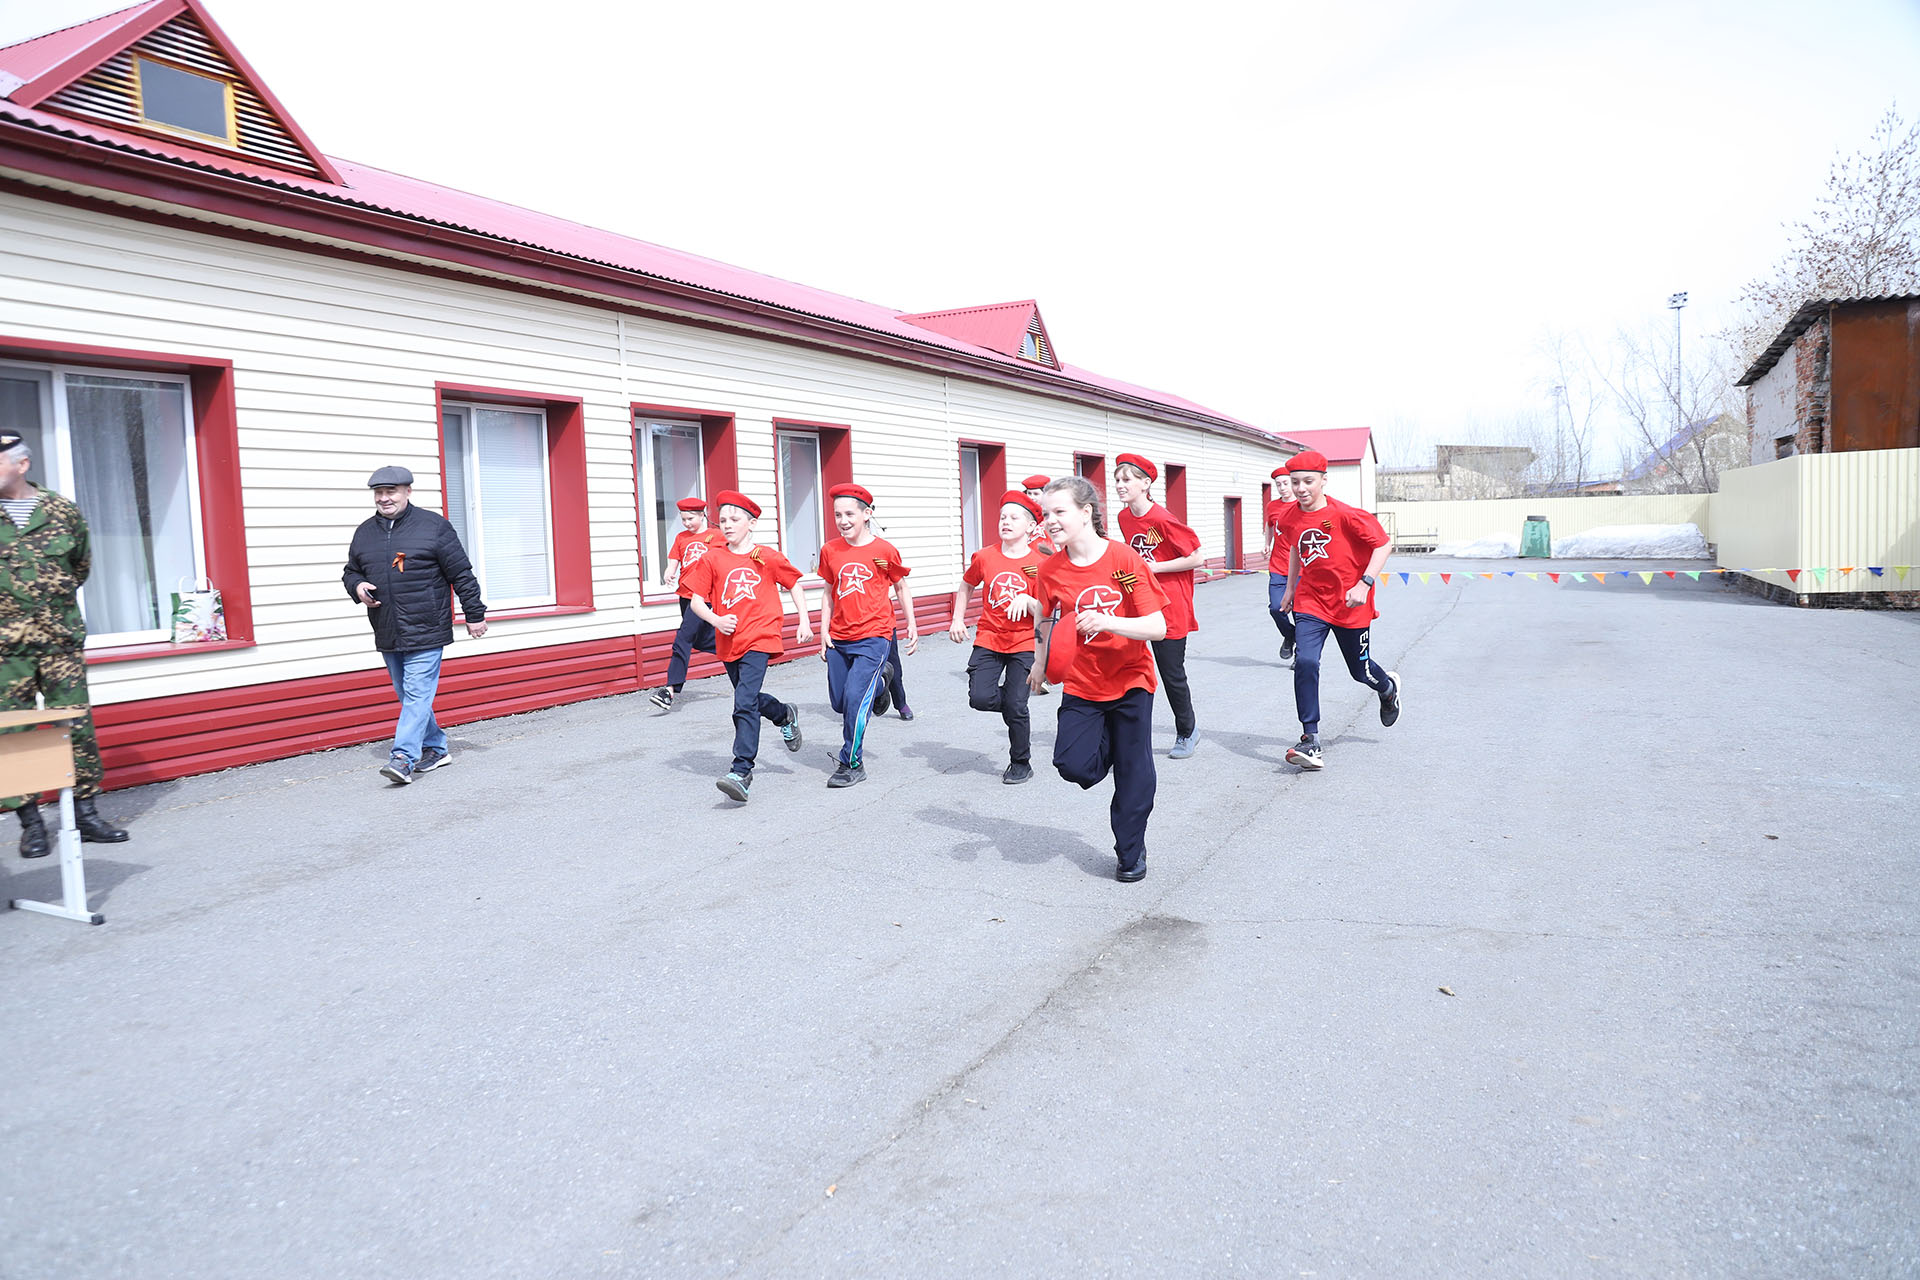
(1875, 392)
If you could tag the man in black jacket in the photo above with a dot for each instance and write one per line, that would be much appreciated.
(403, 566)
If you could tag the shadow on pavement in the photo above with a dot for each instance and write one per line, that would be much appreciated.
(946, 759)
(1023, 842)
(42, 883)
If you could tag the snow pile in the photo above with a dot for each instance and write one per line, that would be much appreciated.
(1496, 546)
(1633, 542)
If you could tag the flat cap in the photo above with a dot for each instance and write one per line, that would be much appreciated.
(389, 475)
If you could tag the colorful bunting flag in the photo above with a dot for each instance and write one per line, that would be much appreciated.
(1671, 572)
(1793, 575)
(1555, 577)
(1447, 578)
(1900, 571)
(1579, 577)
(1404, 577)
(1692, 573)
(1534, 577)
(1425, 578)
(1876, 571)
(1648, 578)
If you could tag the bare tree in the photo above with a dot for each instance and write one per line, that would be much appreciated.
(1660, 405)
(1577, 393)
(1862, 241)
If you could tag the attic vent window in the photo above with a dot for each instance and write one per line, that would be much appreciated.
(1029, 346)
(184, 100)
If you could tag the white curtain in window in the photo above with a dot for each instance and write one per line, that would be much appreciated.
(970, 520)
(130, 460)
(454, 442)
(510, 475)
(672, 462)
(800, 519)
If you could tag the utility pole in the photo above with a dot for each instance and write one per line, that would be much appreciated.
(1677, 301)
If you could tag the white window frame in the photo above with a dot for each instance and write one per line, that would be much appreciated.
(469, 464)
(656, 564)
(56, 468)
(788, 507)
(973, 510)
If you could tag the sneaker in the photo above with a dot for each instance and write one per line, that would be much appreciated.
(1183, 747)
(883, 696)
(848, 774)
(1390, 701)
(399, 769)
(1017, 772)
(790, 729)
(432, 758)
(1306, 753)
(662, 698)
(735, 785)
(1286, 650)
(1129, 875)
(906, 713)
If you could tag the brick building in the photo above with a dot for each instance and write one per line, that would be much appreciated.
(1843, 375)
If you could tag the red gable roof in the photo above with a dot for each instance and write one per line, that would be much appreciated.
(990, 334)
(1341, 445)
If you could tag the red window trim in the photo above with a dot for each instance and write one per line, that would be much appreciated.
(993, 483)
(1096, 474)
(836, 467)
(216, 447)
(1176, 491)
(719, 464)
(566, 486)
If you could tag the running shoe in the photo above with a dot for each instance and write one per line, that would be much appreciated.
(790, 728)
(1306, 753)
(847, 775)
(1286, 650)
(883, 696)
(906, 713)
(1183, 747)
(1390, 700)
(1017, 772)
(662, 698)
(432, 758)
(399, 769)
(735, 786)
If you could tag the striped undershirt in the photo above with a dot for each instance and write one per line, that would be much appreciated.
(20, 510)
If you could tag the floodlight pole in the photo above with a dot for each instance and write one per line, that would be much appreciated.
(1677, 302)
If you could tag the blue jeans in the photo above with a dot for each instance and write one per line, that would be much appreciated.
(416, 678)
(853, 678)
(1353, 642)
(1276, 592)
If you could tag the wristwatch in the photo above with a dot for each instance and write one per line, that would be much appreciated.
(1367, 578)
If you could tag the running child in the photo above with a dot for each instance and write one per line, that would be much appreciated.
(861, 570)
(1277, 555)
(746, 579)
(694, 540)
(1002, 658)
(1111, 609)
(1035, 485)
(1172, 550)
(1334, 552)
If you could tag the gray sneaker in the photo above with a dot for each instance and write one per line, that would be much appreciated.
(790, 728)
(430, 759)
(1390, 701)
(1183, 747)
(735, 786)
(1306, 753)
(399, 769)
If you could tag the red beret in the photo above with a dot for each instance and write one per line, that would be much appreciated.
(1278, 471)
(858, 492)
(1015, 498)
(1139, 463)
(692, 504)
(1035, 482)
(735, 498)
(1311, 460)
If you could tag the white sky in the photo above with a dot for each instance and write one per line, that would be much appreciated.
(1300, 214)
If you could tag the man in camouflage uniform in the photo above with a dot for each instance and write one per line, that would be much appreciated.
(44, 558)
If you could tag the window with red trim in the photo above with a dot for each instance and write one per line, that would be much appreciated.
(809, 459)
(1177, 492)
(1092, 467)
(514, 484)
(677, 453)
(145, 444)
(983, 478)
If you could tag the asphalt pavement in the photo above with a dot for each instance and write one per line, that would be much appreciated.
(1601, 962)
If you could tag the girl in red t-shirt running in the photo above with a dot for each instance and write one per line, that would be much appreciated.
(1002, 656)
(1110, 611)
(856, 617)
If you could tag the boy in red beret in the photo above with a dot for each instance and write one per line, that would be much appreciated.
(861, 571)
(1278, 508)
(1334, 554)
(1172, 550)
(745, 580)
(693, 541)
(1003, 645)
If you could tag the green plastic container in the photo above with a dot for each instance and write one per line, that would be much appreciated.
(1536, 540)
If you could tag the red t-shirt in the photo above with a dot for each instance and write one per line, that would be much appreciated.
(748, 587)
(1277, 511)
(1005, 577)
(688, 547)
(1038, 540)
(1335, 544)
(859, 585)
(1158, 536)
(1119, 582)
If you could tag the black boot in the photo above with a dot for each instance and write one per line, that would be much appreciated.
(94, 829)
(33, 832)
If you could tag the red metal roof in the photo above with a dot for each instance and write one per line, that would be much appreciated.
(980, 334)
(1341, 445)
(31, 61)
